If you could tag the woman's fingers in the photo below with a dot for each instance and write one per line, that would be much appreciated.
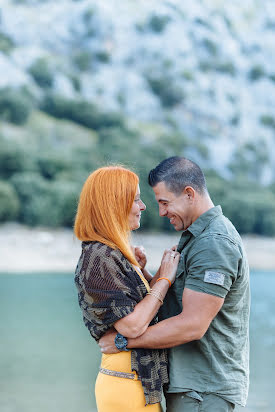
(140, 255)
(169, 264)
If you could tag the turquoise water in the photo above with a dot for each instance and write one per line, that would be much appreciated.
(48, 362)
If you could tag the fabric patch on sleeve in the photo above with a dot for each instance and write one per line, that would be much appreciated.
(214, 277)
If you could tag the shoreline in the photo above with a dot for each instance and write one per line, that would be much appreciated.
(35, 250)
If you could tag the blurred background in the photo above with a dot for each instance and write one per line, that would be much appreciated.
(85, 83)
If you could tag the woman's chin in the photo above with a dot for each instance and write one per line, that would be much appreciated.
(136, 226)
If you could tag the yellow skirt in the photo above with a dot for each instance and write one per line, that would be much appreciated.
(115, 394)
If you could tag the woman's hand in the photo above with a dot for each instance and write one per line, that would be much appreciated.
(140, 256)
(169, 264)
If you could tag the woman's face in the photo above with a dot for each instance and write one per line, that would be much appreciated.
(135, 212)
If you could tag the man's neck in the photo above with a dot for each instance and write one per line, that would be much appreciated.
(203, 204)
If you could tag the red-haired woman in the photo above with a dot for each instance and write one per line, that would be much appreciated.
(114, 290)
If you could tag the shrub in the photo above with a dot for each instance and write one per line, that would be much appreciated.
(250, 160)
(81, 112)
(65, 196)
(103, 56)
(211, 46)
(187, 75)
(82, 60)
(268, 120)
(35, 203)
(45, 203)
(13, 159)
(165, 88)
(223, 67)
(216, 186)
(251, 212)
(6, 43)
(9, 203)
(15, 105)
(41, 73)
(226, 67)
(256, 73)
(158, 23)
(76, 82)
(90, 22)
(51, 164)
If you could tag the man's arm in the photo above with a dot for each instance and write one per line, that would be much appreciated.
(199, 309)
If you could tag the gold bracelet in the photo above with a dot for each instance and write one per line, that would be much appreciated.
(156, 294)
(170, 283)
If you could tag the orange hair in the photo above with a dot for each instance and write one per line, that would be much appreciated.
(104, 206)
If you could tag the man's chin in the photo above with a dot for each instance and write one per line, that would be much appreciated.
(177, 227)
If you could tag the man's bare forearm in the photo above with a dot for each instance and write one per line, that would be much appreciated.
(166, 334)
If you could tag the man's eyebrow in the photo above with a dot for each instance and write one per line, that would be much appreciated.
(163, 200)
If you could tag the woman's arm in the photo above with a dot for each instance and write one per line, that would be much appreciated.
(136, 323)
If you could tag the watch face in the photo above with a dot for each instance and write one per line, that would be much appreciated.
(120, 341)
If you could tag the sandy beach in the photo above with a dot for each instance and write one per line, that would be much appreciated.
(24, 249)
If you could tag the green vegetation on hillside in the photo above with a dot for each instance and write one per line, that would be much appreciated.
(46, 155)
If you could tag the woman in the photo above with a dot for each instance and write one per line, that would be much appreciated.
(115, 293)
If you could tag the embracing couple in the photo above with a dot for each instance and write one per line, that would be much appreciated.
(192, 315)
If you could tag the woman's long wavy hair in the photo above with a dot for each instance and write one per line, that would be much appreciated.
(104, 206)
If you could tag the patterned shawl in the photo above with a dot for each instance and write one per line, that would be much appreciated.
(108, 289)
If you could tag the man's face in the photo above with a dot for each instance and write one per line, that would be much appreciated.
(178, 209)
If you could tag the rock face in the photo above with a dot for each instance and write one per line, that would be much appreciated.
(206, 66)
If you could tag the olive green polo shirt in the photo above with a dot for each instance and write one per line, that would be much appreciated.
(213, 261)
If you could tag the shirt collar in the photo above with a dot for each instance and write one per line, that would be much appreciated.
(199, 225)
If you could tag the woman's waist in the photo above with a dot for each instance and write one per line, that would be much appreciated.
(120, 362)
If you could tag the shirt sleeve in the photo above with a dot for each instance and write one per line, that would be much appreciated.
(212, 265)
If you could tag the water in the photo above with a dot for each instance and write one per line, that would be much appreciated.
(48, 362)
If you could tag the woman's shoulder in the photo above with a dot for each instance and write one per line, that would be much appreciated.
(95, 248)
(99, 255)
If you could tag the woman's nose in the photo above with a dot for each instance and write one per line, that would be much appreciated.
(142, 205)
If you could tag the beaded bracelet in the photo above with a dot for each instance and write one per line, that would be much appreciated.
(170, 283)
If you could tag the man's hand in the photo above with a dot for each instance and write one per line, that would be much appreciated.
(107, 342)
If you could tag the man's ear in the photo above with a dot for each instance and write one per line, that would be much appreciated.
(190, 192)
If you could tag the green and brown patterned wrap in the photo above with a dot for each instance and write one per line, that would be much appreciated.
(108, 289)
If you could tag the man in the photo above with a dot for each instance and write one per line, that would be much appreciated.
(205, 316)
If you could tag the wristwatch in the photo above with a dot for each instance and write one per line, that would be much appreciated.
(121, 342)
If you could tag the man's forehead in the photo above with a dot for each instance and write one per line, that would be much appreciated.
(162, 193)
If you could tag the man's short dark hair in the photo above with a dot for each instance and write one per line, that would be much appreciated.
(177, 173)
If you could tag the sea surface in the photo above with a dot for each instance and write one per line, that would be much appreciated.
(49, 362)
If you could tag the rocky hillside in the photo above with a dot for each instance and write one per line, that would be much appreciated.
(205, 67)
(84, 83)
